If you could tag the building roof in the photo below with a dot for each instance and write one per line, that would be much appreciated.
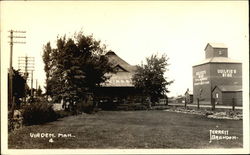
(116, 60)
(218, 60)
(216, 45)
(123, 77)
(229, 88)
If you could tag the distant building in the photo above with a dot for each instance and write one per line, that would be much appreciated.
(179, 99)
(216, 76)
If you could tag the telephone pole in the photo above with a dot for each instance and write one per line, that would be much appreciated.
(26, 65)
(32, 91)
(36, 89)
(12, 99)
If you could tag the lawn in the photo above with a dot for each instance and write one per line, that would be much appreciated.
(129, 130)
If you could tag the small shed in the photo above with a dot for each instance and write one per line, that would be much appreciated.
(227, 94)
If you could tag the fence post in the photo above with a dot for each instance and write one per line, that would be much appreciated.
(198, 103)
(213, 103)
(185, 103)
(233, 104)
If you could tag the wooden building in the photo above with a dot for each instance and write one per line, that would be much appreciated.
(217, 69)
(118, 89)
(228, 95)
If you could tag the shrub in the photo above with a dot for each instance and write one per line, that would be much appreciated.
(10, 122)
(63, 113)
(86, 105)
(38, 113)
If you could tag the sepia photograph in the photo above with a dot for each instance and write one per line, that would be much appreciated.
(124, 77)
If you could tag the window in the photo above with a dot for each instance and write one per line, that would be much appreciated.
(220, 52)
(217, 95)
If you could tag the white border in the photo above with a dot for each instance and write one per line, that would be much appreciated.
(4, 128)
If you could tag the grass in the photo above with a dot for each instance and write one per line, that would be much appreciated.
(129, 130)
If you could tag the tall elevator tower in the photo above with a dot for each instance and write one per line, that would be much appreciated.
(216, 71)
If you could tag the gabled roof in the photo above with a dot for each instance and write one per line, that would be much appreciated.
(123, 77)
(218, 60)
(189, 92)
(229, 88)
(116, 60)
(120, 68)
(216, 45)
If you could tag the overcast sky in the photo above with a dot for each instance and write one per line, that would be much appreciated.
(133, 30)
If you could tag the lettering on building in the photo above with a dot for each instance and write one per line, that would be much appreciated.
(226, 72)
(201, 78)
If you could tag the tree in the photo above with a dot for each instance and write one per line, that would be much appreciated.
(75, 67)
(18, 85)
(47, 59)
(149, 77)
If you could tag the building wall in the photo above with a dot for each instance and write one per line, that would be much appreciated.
(238, 100)
(225, 74)
(201, 81)
(207, 76)
(209, 51)
(220, 52)
(227, 98)
(216, 52)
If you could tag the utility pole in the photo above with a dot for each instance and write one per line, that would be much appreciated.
(12, 99)
(26, 65)
(36, 89)
(32, 93)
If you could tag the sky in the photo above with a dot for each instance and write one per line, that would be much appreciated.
(133, 30)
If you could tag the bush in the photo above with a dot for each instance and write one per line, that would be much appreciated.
(15, 121)
(63, 113)
(10, 122)
(86, 105)
(38, 113)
